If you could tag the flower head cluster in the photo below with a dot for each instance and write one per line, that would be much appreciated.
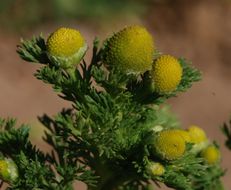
(170, 144)
(132, 51)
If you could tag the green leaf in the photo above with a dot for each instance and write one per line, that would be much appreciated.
(33, 50)
(226, 129)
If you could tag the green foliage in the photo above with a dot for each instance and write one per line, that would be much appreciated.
(14, 14)
(226, 129)
(34, 166)
(104, 138)
(190, 169)
(33, 50)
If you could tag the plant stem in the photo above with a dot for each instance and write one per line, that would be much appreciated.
(109, 178)
(110, 183)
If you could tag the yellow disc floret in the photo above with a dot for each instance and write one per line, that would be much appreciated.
(66, 45)
(166, 74)
(156, 169)
(197, 134)
(211, 154)
(131, 50)
(169, 145)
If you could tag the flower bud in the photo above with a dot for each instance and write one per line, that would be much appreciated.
(155, 169)
(130, 50)
(8, 170)
(211, 154)
(197, 134)
(184, 134)
(157, 128)
(66, 47)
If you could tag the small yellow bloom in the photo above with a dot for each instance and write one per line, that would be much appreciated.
(169, 144)
(166, 74)
(156, 169)
(8, 170)
(211, 154)
(197, 134)
(184, 134)
(131, 50)
(66, 46)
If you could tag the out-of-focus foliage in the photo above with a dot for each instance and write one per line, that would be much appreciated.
(227, 132)
(21, 14)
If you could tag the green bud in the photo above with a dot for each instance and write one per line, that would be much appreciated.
(8, 170)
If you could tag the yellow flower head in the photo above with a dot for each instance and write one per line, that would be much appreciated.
(8, 170)
(211, 154)
(169, 144)
(166, 74)
(156, 169)
(197, 134)
(130, 49)
(184, 134)
(66, 46)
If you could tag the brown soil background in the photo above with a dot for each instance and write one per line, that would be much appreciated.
(197, 30)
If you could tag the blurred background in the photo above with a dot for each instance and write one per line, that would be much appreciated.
(199, 30)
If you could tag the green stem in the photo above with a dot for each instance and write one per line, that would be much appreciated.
(109, 183)
(109, 178)
(71, 72)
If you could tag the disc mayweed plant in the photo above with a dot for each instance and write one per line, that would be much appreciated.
(118, 134)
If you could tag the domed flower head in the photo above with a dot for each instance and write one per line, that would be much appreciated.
(8, 170)
(130, 50)
(197, 134)
(155, 169)
(169, 145)
(166, 74)
(66, 47)
(184, 134)
(211, 154)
